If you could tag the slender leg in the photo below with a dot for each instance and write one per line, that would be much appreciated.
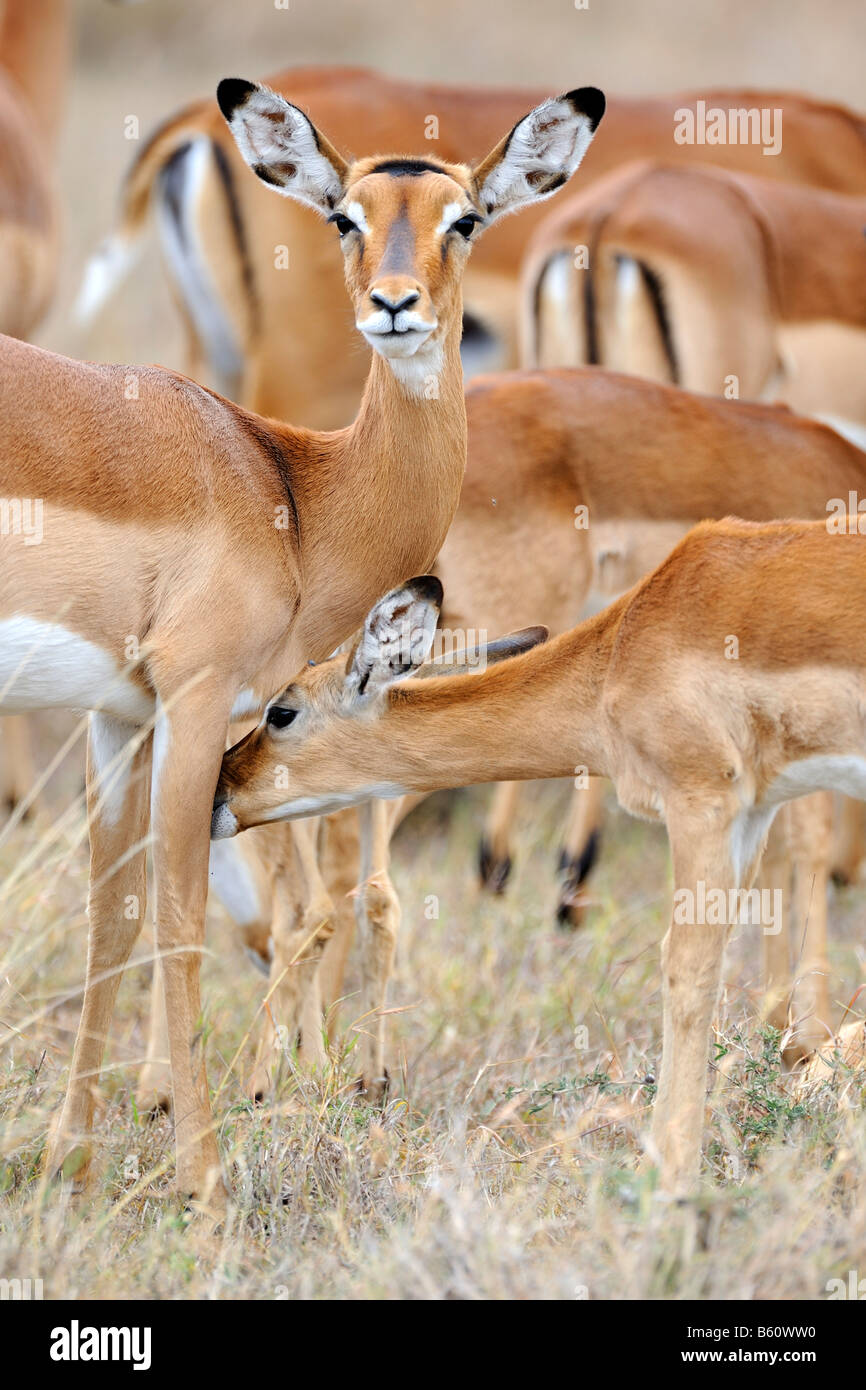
(19, 767)
(580, 850)
(849, 839)
(280, 1025)
(316, 928)
(340, 861)
(811, 847)
(118, 796)
(301, 924)
(182, 797)
(378, 915)
(775, 876)
(153, 1092)
(692, 956)
(239, 873)
(494, 857)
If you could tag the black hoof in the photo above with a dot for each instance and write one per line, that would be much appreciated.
(494, 873)
(377, 1092)
(569, 915)
(570, 912)
(579, 868)
(157, 1110)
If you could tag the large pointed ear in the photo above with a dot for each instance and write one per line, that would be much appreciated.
(541, 153)
(282, 145)
(478, 658)
(397, 636)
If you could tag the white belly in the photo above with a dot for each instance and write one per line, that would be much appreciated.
(45, 666)
(845, 774)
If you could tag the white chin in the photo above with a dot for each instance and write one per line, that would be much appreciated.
(396, 346)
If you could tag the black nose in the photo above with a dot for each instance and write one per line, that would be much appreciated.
(394, 306)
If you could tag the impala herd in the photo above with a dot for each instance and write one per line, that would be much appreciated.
(274, 589)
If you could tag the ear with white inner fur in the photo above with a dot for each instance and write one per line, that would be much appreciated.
(281, 145)
(541, 153)
(397, 636)
(479, 658)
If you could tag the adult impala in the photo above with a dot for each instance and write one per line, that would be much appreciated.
(195, 553)
(647, 693)
(275, 338)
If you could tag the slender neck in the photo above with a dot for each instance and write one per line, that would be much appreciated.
(34, 50)
(375, 500)
(536, 715)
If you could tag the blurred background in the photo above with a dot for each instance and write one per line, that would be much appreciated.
(148, 59)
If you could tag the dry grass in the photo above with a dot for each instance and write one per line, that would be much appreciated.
(506, 1162)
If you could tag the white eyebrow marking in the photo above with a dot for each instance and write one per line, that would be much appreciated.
(356, 212)
(450, 213)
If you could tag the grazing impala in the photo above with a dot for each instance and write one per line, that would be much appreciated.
(274, 338)
(706, 277)
(728, 682)
(642, 462)
(221, 550)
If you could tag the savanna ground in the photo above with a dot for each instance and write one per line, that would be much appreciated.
(506, 1162)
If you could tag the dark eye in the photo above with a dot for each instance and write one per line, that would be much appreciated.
(344, 224)
(279, 717)
(465, 226)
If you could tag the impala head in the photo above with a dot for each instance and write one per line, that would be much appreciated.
(321, 739)
(406, 224)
